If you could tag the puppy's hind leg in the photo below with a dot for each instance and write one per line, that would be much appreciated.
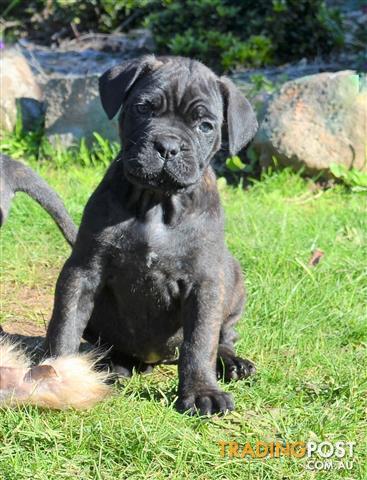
(229, 365)
(120, 364)
(124, 365)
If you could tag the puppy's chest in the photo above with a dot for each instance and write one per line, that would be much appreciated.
(146, 271)
(148, 247)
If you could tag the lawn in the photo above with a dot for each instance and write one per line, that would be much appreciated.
(305, 327)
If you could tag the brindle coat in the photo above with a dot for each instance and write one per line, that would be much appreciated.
(150, 273)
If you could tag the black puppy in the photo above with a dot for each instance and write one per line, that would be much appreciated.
(149, 272)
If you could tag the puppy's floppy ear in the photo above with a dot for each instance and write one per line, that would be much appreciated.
(239, 115)
(117, 81)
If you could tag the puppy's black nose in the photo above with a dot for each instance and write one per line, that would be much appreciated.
(167, 148)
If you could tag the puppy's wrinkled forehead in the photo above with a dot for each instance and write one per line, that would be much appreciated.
(181, 83)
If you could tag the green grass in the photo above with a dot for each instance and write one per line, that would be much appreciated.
(305, 327)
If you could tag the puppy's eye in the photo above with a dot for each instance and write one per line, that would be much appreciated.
(206, 127)
(143, 108)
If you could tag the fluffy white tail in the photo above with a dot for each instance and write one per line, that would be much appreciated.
(59, 383)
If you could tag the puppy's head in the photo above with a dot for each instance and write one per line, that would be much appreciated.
(172, 113)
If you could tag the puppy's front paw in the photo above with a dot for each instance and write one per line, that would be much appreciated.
(205, 401)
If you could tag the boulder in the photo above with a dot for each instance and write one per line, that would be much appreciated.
(69, 78)
(20, 93)
(315, 121)
(74, 110)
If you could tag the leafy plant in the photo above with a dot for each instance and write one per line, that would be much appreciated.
(353, 178)
(49, 21)
(256, 51)
(37, 147)
(235, 164)
(225, 34)
(18, 143)
(303, 28)
(259, 83)
(222, 33)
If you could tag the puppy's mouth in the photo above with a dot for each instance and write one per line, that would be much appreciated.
(164, 180)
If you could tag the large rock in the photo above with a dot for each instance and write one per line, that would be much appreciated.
(69, 78)
(20, 93)
(74, 110)
(315, 121)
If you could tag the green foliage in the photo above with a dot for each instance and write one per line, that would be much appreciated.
(37, 148)
(256, 51)
(47, 21)
(304, 28)
(225, 34)
(234, 163)
(18, 144)
(353, 178)
(114, 13)
(259, 83)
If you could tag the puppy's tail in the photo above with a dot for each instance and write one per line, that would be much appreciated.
(58, 383)
(17, 177)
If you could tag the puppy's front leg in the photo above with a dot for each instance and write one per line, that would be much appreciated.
(202, 316)
(74, 300)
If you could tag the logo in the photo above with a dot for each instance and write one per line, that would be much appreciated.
(318, 455)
